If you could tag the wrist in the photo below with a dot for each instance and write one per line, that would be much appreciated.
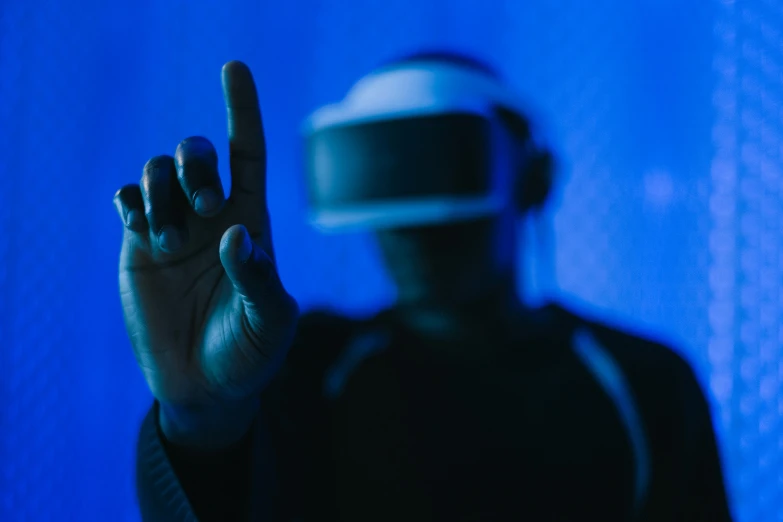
(210, 428)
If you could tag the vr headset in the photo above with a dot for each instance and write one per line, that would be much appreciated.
(412, 144)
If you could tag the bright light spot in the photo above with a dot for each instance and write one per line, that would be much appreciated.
(659, 188)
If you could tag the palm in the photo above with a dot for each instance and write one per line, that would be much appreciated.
(182, 311)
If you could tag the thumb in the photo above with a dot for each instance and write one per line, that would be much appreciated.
(255, 278)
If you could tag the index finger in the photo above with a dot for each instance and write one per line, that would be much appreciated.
(247, 146)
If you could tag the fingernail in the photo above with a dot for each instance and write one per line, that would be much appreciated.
(170, 239)
(134, 220)
(206, 201)
(245, 250)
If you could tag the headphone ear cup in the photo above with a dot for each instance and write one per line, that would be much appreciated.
(535, 181)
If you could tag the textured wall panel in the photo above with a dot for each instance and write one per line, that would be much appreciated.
(746, 248)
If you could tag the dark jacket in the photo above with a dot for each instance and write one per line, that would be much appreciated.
(564, 419)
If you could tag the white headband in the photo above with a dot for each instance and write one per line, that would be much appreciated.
(415, 89)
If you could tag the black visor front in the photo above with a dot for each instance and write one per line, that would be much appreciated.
(400, 159)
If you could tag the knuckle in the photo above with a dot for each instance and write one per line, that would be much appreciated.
(156, 168)
(126, 191)
(157, 164)
(246, 151)
(156, 174)
(194, 146)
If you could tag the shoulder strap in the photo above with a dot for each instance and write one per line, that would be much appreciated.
(610, 376)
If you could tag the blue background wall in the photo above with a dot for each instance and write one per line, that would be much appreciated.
(666, 114)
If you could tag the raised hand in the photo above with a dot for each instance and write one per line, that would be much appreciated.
(205, 310)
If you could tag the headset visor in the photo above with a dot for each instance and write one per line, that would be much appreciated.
(403, 171)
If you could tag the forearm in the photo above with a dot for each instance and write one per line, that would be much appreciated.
(207, 429)
(175, 482)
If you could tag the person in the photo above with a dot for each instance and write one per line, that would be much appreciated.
(459, 402)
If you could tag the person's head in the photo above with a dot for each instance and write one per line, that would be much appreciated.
(435, 155)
